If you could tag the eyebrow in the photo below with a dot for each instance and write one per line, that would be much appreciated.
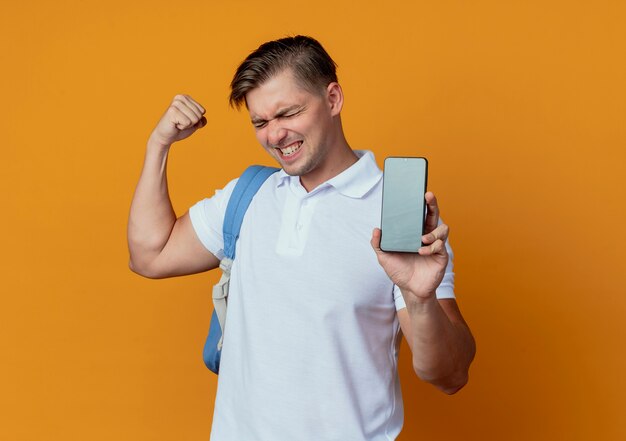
(281, 112)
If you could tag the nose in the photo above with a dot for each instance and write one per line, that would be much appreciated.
(275, 134)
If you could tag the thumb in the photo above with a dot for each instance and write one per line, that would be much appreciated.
(375, 241)
(201, 123)
(187, 132)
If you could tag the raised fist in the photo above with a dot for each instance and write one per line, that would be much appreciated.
(182, 118)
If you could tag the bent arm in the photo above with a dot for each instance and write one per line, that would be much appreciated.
(152, 216)
(441, 342)
(442, 345)
(161, 245)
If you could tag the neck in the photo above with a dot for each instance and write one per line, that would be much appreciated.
(342, 158)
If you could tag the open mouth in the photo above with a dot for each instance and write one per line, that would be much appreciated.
(291, 149)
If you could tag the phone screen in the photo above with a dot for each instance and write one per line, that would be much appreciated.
(404, 207)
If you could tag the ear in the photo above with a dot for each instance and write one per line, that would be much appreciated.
(334, 95)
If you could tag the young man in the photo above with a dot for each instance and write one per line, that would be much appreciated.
(316, 310)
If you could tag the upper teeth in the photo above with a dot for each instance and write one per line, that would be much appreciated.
(291, 149)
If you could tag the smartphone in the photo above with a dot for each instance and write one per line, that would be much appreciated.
(404, 206)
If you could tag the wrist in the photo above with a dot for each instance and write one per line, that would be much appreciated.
(419, 302)
(154, 143)
(156, 154)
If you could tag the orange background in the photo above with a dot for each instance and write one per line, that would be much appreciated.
(519, 106)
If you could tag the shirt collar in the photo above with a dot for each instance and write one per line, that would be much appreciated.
(353, 182)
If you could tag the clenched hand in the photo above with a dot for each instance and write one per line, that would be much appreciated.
(181, 119)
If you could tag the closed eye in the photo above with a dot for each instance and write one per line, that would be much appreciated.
(291, 114)
(287, 113)
(295, 112)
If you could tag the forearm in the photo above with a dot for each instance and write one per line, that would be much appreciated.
(442, 349)
(152, 216)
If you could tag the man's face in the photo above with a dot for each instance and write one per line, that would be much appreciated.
(293, 124)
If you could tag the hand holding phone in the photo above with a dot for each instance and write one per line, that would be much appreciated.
(416, 268)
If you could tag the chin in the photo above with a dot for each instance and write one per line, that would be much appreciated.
(292, 171)
(299, 169)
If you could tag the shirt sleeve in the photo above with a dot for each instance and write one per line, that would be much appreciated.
(207, 219)
(445, 290)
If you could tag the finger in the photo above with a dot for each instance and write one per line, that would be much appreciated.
(178, 118)
(435, 248)
(432, 213)
(187, 111)
(199, 124)
(441, 232)
(187, 102)
(375, 241)
(196, 105)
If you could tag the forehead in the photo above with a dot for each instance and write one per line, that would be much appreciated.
(280, 91)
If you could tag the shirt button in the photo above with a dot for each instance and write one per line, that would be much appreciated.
(299, 226)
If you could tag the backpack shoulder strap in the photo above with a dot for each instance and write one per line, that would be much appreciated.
(245, 189)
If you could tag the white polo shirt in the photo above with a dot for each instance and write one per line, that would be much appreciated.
(312, 336)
